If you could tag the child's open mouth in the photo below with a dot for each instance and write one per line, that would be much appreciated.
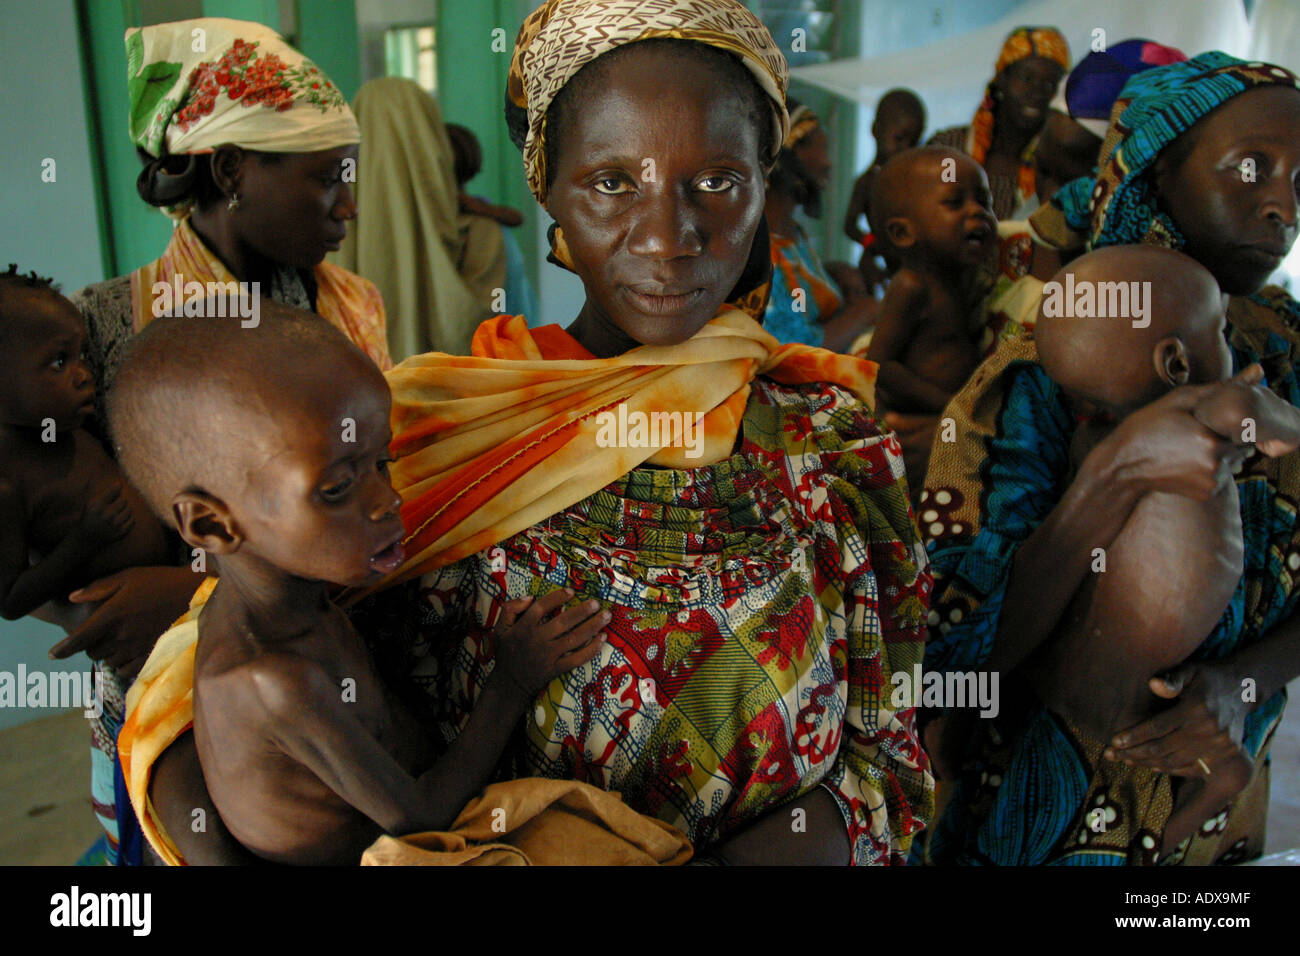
(979, 237)
(389, 559)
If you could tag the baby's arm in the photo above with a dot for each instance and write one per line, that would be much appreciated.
(104, 518)
(346, 757)
(901, 312)
(857, 206)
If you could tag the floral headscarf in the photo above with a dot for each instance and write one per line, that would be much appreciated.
(195, 85)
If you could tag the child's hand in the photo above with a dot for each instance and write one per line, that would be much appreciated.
(1246, 413)
(531, 650)
(106, 517)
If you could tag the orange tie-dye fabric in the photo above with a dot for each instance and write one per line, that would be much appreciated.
(489, 444)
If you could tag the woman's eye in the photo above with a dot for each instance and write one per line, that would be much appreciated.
(60, 360)
(336, 491)
(610, 186)
(716, 184)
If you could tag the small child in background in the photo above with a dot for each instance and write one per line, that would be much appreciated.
(482, 221)
(284, 479)
(468, 161)
(898, 125)
(67, 516)
(934, 207)
(1171, 571)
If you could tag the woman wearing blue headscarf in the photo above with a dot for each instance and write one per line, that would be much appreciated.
(1201, 156)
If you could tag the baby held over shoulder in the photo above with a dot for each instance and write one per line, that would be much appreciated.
(1120, 331)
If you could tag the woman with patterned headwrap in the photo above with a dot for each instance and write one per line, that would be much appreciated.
(251, 150)
(754, 547)
(1001, 136)
(804, 297)
(1201, 156)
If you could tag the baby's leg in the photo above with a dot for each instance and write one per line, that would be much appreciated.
(1153, 597)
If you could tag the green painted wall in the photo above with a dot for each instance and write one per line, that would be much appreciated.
(327, 32)
(474, 43)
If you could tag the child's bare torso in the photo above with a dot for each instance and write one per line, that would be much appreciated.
(55, 480)
(942, 351)
(1168, 578)
(271, 803)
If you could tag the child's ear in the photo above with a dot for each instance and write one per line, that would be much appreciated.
(1170, 357)
(205, 522)
(900, 233)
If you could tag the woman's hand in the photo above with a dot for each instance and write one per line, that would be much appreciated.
(1189, 441)
(136, 606)
(1199, 735)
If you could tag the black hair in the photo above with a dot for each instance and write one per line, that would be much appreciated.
(25, 280)
(899, 101)
(583, 87)
(467, 154)
(184, 177)
(15, 280)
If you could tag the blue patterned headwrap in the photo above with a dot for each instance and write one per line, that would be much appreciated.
(1157, 106)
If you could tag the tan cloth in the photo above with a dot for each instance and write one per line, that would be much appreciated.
(410, 238)
(540, 822)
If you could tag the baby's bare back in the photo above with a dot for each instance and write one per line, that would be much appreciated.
(59, 482)
(1168, 577)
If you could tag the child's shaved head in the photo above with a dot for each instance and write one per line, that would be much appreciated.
(899, 104)
(196, 400)
(1171, 334)
(895, 191)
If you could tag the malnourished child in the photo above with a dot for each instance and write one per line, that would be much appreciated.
(280, 473)
(1158, 590)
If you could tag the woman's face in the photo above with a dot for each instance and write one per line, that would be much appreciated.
(1232, 194)
(1027, 87)
(659, 190)
(295, 210)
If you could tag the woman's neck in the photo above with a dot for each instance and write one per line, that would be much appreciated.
(780, 208)
(1008, 139)
(218, 234)
(598, 335)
